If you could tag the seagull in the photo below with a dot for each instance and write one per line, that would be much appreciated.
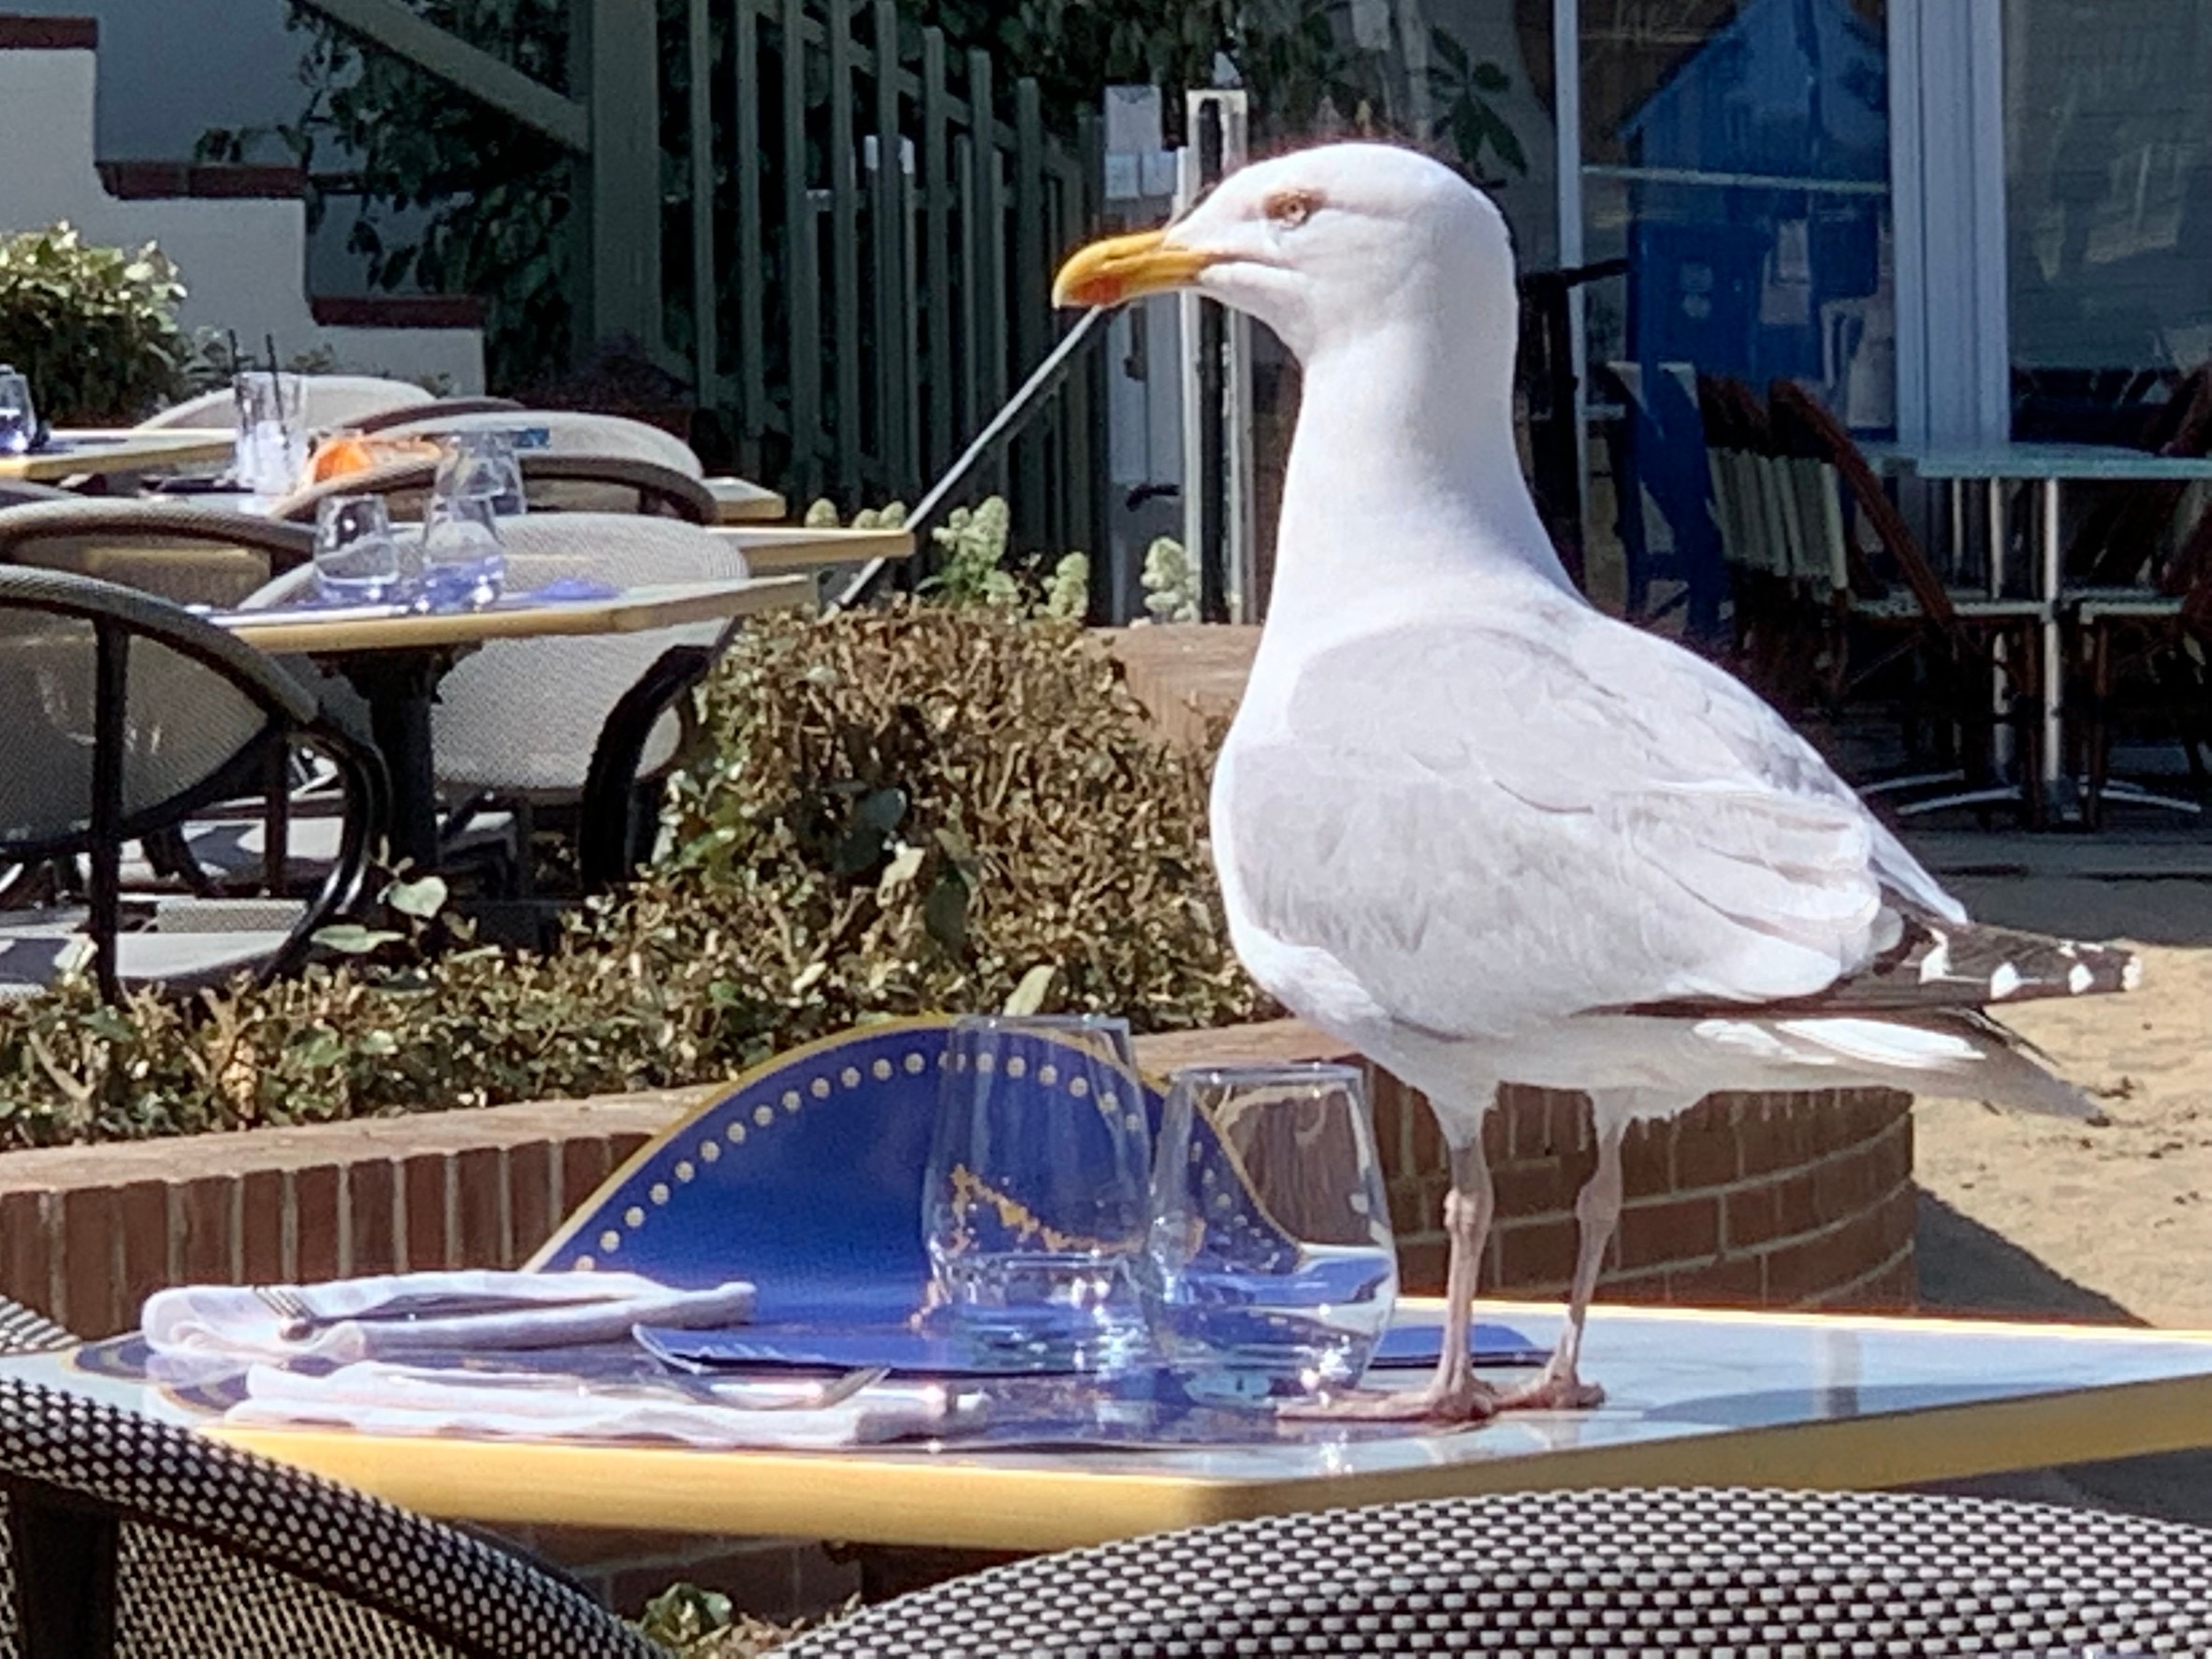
(1478, 831)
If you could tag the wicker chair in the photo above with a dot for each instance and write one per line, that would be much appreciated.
(1585, 1572)
(20, 492)
(552, 482)
(577, 723)
(128, 1538)
(190, 555)
(566, 431)
(121, 716)
(1963, 643)
(332, 401)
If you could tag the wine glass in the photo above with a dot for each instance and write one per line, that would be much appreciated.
(19, 419)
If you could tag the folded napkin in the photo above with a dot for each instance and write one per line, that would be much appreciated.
(395, 1314)
(381, 1398)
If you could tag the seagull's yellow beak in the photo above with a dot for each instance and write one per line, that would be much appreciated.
(1127, 268)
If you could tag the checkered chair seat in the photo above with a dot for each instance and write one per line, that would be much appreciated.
(1602, 1572)
(126, 1537)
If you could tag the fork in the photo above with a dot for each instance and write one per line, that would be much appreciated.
(300, 1320)
(834, 1392)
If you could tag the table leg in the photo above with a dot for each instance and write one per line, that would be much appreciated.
(2054, 666)
(399, 687)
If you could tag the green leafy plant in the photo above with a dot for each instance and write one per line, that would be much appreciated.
(94, 327)
(1171, 582)
(898, 811)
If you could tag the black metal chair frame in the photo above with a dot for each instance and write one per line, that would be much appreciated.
(118, 615)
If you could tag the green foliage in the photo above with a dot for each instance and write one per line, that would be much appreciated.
(696, 1624)
(1171, 582)
(1068, 589)
(971, 567)
(900, 811)
(94, 329)
(493, 194)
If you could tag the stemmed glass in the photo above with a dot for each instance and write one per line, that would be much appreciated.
(1034, 1205)
(1270, 1269)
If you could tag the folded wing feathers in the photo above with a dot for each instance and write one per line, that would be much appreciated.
(1938, 965)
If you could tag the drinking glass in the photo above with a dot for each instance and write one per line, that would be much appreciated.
(357, 556)
(270, 453)
(481, 464)
(1270, 1267)
(18, 420)
(463, 554)
(1034, 1205)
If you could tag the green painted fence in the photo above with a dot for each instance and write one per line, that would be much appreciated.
(840, 229)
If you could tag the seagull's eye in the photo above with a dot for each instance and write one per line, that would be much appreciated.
(1290, 209)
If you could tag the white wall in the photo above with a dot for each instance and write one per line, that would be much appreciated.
(242, 262)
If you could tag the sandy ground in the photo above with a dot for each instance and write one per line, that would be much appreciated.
(2030, 1216)
(2115, 1222)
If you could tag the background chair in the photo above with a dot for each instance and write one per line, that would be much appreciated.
(552, 482)
(122, 716)
(561, 432)
(1976, 662)
(2145, 652)
(186, 553)
(1602, 1572)
(576, 727)
(332, 402)
(128, 1538)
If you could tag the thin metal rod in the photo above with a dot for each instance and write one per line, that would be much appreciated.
(1012, 415)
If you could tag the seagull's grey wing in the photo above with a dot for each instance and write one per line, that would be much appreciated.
(1489, 827)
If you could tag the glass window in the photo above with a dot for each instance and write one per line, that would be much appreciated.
(2108, 208)
(1735, 162)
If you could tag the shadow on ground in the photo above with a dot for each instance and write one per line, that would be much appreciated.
(1967, 1269)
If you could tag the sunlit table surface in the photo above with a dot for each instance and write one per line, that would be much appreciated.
(1696, 1398)
(738, 500)
(86, 453)
(345, 629)
(771, 549)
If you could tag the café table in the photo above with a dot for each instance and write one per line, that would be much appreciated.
(1695, 1398)
(738, 500)
(105, 453)
(395, 657)
(2049, 467)
(780, 549)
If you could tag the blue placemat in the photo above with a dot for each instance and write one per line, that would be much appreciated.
(915, 1353)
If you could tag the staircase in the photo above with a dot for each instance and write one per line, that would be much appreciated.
(238, 234)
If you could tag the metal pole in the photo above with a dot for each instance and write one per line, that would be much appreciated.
(1011, 417)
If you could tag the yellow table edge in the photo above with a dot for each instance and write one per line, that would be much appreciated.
(637, 611)
(740, 501)
(771, 548)
(135, 452)
(948, 1499)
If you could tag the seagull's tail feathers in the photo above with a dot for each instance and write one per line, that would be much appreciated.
(1933, 965)
(1960, 1053)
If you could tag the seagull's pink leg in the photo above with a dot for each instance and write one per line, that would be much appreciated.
(1454, 1393)
(1597, 1212)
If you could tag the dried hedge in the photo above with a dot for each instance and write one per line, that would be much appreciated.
(898, 811)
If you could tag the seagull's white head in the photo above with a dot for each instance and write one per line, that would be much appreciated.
(1322, 245)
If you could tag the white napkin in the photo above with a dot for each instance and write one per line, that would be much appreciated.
(379, 1399)
(395, 1314)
